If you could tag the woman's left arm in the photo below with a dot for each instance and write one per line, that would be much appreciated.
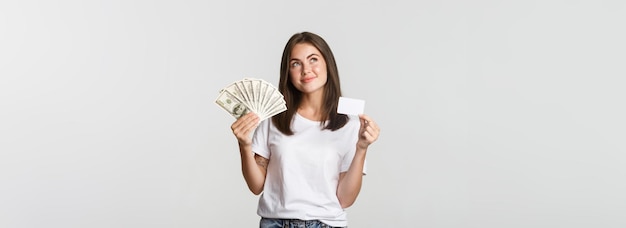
(350, 181)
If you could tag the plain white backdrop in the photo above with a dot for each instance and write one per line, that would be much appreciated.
(493, 113)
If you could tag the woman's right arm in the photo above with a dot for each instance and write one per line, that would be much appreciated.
(253, 166)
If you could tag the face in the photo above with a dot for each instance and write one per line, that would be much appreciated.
(239, 110)
(307, 68)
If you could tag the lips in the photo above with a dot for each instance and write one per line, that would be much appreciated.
(309, 79)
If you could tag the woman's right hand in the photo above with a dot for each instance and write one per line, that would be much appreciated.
(243, 127)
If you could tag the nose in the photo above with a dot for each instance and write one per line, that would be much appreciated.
(305, 69)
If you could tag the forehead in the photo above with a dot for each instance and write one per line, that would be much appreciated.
(303, 50)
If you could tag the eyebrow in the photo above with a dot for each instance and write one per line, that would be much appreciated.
(308, 57)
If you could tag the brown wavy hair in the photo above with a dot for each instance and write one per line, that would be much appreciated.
(331, 120)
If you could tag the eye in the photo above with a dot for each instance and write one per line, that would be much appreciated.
(313, 60)
(295, 64)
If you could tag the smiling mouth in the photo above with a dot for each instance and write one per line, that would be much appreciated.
(305, 80)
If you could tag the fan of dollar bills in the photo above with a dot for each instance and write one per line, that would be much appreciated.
(251, 95)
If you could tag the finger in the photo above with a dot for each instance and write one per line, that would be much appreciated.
(251, 125)
(248, 117)
(365, 117)
(369, 137)
(372, 123)
(242, 121)
(363, 122)
(368, 120)
(238, 122)
(367, 129)
(374, 127)
(363, 126)
(245, 126)
(371, 131)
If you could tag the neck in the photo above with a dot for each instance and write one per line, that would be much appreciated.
(311, 106)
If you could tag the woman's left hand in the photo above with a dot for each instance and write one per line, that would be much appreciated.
(368, 133)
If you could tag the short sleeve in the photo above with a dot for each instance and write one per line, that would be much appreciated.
(260, 142)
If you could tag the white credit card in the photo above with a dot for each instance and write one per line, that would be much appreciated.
(350, 106)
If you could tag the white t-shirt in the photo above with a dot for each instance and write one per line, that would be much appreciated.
(303, 170)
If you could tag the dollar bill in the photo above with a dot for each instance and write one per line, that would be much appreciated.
(232, 105)
(251, 95)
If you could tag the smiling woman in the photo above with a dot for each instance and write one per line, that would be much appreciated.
(308, 161)
(307, 68)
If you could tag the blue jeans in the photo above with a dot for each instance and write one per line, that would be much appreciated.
(291, 223)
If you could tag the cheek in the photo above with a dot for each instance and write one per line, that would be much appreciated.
(292, 79)
(294, 72)
(320, 67)
(320, 70)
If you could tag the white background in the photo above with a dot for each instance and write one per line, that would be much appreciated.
(493, 113)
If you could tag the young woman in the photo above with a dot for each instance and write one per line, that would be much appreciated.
(309, 160)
